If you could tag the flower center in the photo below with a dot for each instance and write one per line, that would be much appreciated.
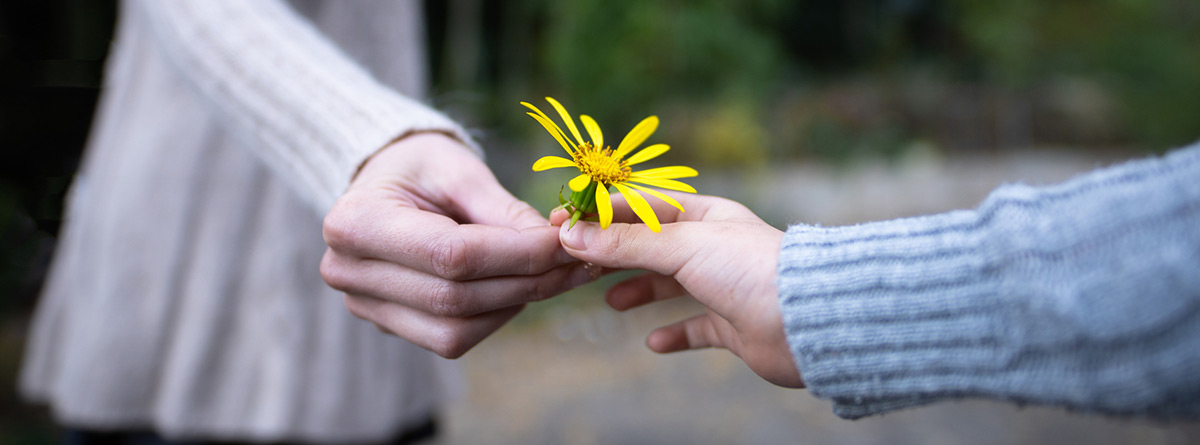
(601, 165)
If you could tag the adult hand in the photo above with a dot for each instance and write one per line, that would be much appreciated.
(718, 252)
(427, 245)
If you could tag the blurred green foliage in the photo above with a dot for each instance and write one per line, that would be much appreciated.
(622, 57)
(1145, 53)
(739, 83)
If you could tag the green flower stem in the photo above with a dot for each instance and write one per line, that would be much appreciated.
(583, 202)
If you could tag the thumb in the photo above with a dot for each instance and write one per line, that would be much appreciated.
(488, 202)
(631, 246)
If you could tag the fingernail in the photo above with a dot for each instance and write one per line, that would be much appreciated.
(577, 237)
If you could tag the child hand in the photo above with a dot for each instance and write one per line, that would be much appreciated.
(718, 252)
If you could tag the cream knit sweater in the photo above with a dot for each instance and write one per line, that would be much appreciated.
(185, 294)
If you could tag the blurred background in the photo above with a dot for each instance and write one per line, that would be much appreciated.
(807, 111)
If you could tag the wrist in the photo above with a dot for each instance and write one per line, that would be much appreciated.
(413, 149)
(413, 145)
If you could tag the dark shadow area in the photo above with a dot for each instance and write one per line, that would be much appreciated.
(51, 59)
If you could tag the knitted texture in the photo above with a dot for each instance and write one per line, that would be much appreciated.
(314, 115)
(1084, 295)
(185, 295)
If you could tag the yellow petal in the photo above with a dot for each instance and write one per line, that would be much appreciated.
(549, 162)
(640, 207)
(604, 205)
(548, 120)
(659, 195)
(593, 130)
(636, 136)
(672, 172)
(579, 183)
(647, 154)
(556, 132)
(566, 118)
(665, 184)
(535, 110)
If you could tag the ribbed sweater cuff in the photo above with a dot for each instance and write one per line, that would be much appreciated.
(863, 328)
(1081, 294)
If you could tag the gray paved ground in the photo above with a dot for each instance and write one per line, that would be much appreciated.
(571, 371)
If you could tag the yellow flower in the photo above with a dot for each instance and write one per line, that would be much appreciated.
(607, 167)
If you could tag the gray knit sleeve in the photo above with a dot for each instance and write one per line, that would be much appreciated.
(1084, 295)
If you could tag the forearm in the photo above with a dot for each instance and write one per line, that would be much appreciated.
(1084, 295)
(314, 114)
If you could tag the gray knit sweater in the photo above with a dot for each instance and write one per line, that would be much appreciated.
(1084, 295)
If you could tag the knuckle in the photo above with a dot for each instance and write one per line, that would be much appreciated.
(354, 307)
(551, 284)
(337, 227)
(540, 290)
(609, 246)
(541, 252)
(531, 262)
(518, 210)
(445, 299)
(449, 342)
(332, 272)
(723, 208)
(383, 329)
(451, 257)
(735, 206)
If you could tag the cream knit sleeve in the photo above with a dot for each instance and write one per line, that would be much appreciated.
(312, 113)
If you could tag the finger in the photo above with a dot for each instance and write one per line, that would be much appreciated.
(440, 168)
(558, 216)
(446, 298)
(643, 289)
(446, 336)
(685, 251)
(635, 246)
(665, 212)
(487, 202)
(694, 206)
(698, 332)
(438, 245)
